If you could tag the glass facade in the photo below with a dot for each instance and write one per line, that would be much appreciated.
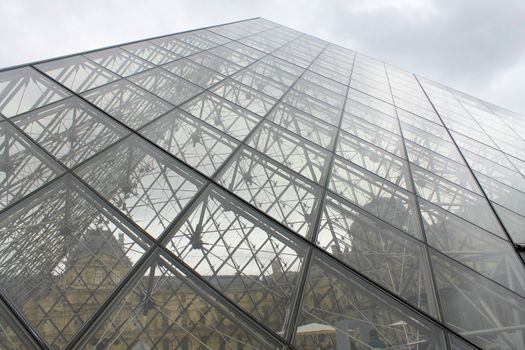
(248, 186)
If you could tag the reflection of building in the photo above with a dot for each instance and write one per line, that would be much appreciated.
(247, 186)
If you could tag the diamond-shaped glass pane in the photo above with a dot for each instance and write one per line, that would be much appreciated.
(374, 159)
(24, 89)
(222, 114)
(23, 167)
(216, 63)
(304, 125)
(348, 313)
(166, 85)
(77, 73)
(388, 202)
(242, 254)
(291, 151)
(244, 96)
(274, 190)
(62, 253)
(194, 72)
(476, 248)
(178, 47)
(167, 309)
(192, 141)
(128, 103)
(151, 52)
(378, 250)
(142, 182)
(313, 106)
(119, 61)
(487, 314)
(71, 130)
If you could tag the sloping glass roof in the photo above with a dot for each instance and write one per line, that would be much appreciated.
(249, 186)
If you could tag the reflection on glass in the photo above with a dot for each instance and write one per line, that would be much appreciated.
(167, 309)
(23, 167)
(382, 253)
(61, 255)
(142, 182)
(71, 130)
(190, 140)
(340, 311)
(24, 89)
(274, 190)
(253, 262)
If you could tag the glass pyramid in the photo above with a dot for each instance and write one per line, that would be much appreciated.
(248, 186)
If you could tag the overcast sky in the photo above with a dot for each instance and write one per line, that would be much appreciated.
(477, 46)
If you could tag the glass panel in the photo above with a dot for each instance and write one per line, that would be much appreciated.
(342, 311)
(370, 101)
(282, 65)
(166, 85)
(167, 309)
(379, 251)
(485, 313)
(502, 194)
(61, 255)
(324, 82)
(150, 52)
(250, 260)
(225, 116)
(313, 106)
(379, 137)
(244, 96)
(273, 72)
(119, 61)
(245, 50)
(23, 167)
(77, 73)
(291, 151)
(320, 93)
(9, 340)
(277, 192)
(386, 201)
(71, 130)
(190, 140)
(513, 223)
(431, 142)
(304, 125)
(200, 39)
(374, 159)
(260, 83)
(232, 56)
(385, 121)
(142, 182)
(218, 64)
(128, 103)
(24, 89)
(478, 249)
(197, 74)
(455, 199)
(442, 166)
(458, 344)
(180, 48)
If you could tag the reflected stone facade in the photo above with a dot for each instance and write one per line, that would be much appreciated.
(248, 186)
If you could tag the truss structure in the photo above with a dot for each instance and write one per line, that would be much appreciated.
(248, 186)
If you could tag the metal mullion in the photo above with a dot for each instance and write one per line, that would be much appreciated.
(420, 217)
(293, 315)
(21, 327)
(514, 245)
(256, 208)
